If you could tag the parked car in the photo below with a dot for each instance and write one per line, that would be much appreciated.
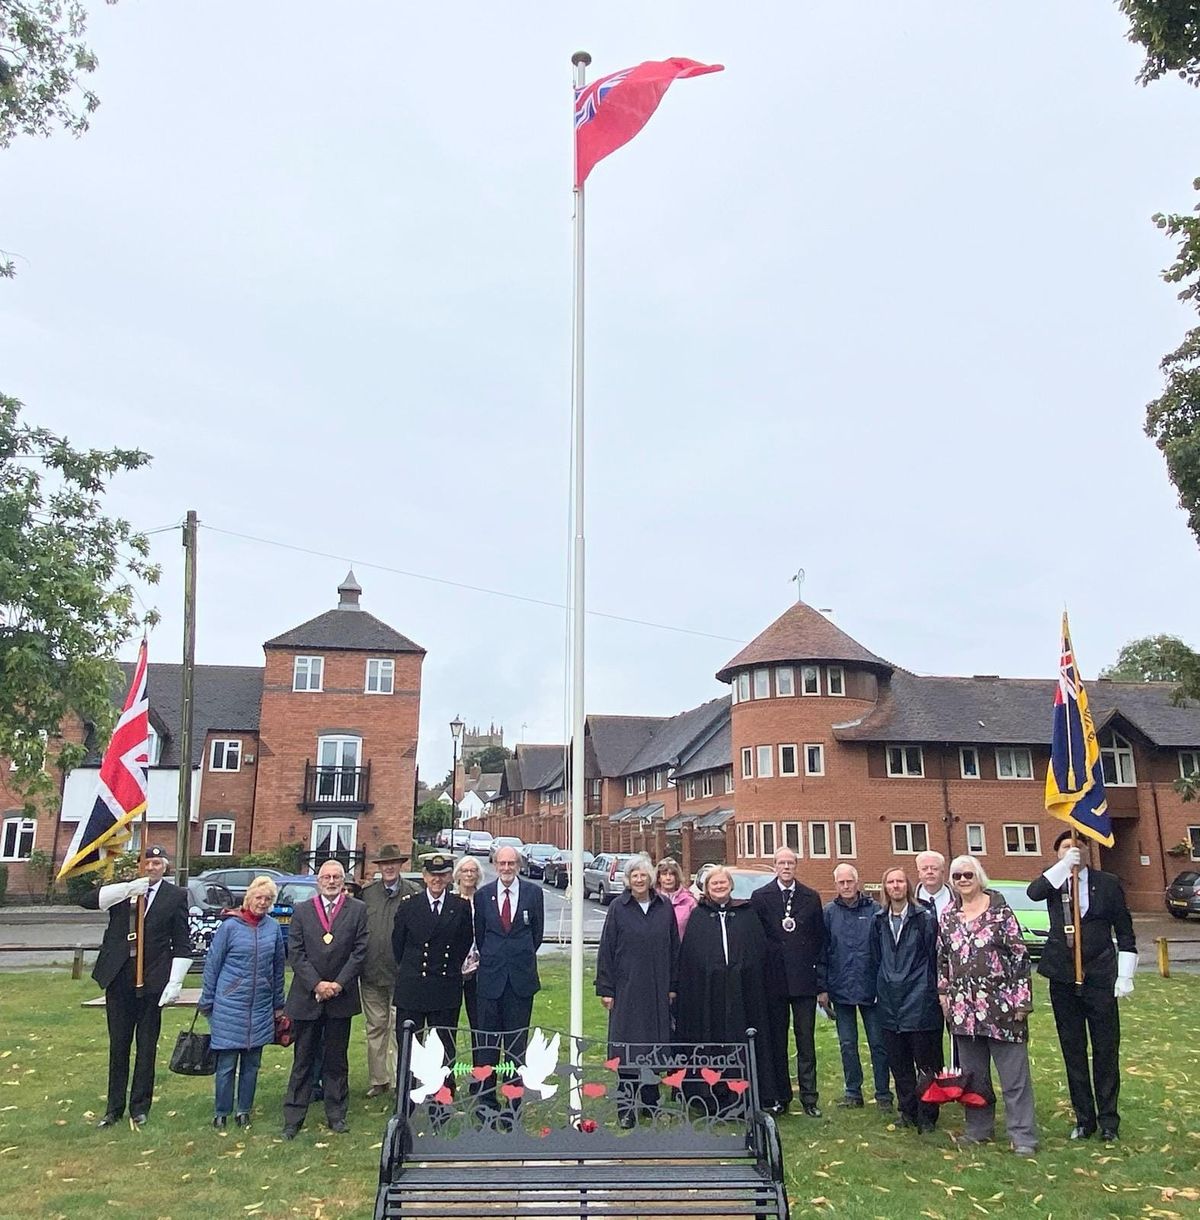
(1032, 917)
(206, 900)
(534, 857)
(480, 843)
(293, 890)
(557, 870)
(1183, 894)
(504, 841)
(605, 877)
(235, 880)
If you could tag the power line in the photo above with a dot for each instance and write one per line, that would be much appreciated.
(458, 584)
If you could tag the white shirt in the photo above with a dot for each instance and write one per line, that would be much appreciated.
(941, 900)
(436, 903)
(513, 892)
(150, 893)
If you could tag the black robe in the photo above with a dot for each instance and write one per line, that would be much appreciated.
(718, 1002)
(636, 966)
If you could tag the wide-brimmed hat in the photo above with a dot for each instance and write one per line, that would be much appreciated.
(389, 853)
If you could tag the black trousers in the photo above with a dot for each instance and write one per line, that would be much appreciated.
(335, 1074)
(909, 1053)
(503, 1025)
(130, 1015)
(800, 1012)
(1090, 1012)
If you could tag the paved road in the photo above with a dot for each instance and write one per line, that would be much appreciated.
(558, 910)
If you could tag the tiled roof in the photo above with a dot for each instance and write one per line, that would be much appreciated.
(802, 633)
(616, 739)
(345, 631)
(709, 754)
(1014, 711)
(650, 812)
(673, 737)
(538, 765)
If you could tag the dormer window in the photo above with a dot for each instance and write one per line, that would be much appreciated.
(153, 746)
(307, 673)
(1116, 757)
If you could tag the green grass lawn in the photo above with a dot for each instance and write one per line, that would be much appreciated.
(54, 1163)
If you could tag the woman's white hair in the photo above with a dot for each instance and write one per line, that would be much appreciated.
(458, 867)
(959, 861)
(640, 862)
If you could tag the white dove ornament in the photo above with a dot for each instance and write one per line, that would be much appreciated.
(427, 1062)
(541, 1062)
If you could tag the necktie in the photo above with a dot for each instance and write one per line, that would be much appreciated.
(506, 910)
(437, 907)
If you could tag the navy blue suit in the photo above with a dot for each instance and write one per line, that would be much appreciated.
(507, 979)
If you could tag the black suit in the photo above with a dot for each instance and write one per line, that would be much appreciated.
(429, 951)
(1091, 1009)
(129, 1014)
(313, 961)
(795, 975)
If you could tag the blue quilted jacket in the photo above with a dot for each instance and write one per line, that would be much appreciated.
(243, 983)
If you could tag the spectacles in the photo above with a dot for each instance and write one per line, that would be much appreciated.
(961, 876)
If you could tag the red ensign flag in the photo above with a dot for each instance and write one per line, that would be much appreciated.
(610, 111)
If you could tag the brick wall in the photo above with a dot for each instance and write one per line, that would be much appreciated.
(227, 794)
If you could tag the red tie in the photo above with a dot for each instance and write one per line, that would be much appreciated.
(506, 910)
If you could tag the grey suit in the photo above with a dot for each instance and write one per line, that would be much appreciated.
(313, 961)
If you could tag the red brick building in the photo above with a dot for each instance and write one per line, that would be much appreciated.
(318, 746)
(833, 751)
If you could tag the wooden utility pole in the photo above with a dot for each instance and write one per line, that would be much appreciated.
(187, 701)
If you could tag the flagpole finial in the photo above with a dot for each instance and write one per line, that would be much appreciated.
(581, 57)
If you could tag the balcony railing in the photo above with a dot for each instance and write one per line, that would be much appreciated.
(351, 860)
(336, 789)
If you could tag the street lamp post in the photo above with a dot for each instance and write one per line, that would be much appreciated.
(456, 732)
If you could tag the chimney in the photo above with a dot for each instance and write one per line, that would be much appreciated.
(349, 591)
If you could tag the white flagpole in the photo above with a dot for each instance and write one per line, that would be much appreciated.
(580, 60)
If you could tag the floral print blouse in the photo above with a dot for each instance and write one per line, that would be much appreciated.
(983, 967)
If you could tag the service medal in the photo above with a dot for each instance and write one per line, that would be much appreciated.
(328, 938)
(787, 923)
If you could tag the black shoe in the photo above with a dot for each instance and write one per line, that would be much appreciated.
(1108, 1135)
(377, 1090)
(884, 1105)
(775, 1107)
(1080, 1132)
(242, 1120)
(290, 1131)
(339, 1127)
(138, 1120)
(627, 1121)
(812, 1109)
(850, 1103)
(904, 1121)
(109, 1120)
(221, 1122)
(925, 1128)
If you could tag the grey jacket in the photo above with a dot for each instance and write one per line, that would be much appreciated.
(379, 970)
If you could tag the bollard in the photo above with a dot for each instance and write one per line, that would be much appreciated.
(1164, 960)
(77, 963)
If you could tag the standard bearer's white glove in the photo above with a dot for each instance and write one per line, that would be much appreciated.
(118, 891)
(179, 969)
(1126, 966)
(1059, 873)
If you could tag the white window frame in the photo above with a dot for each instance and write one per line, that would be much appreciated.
(728, 780)
(838, 827)
(784, 769)
(338, 824)
(658, 779)
(214, 830)
(1189, 763)
(840, 670)
(641, 784)
(689, 789)
(743, 681)
(740, 835)
(912, 849)
(629, 785)
(963, 752)
(304, 665)
(1013, 755)
(782, 682)
(819, 768)
(905, 771)
(813, 853)
(1118, 749)
(225, 742)
(751, 839)
(1022, 829)
(796, 841)
(706, 784)
(761, 754)
(807, 672)
(747, 762)
(384, 665)
(17, 837)
(153, 746)
(336, 771)
(766, 831)
(979, 846)
(762, 683)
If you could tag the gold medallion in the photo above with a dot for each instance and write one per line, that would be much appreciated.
(328, 938)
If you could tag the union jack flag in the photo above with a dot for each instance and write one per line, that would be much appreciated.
(1075, 778)
(121, 791)
(613, 109)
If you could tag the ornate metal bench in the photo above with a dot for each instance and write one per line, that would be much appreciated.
(659, 1130)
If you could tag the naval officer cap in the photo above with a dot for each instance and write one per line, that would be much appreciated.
(436, 863)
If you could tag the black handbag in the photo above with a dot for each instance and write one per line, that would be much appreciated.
(193, 1054)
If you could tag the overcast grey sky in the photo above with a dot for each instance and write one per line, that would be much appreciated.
(881, 301)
